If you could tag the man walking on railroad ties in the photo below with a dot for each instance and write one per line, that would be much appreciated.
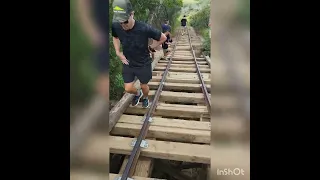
(184, 24)
(133, 36)
(166, 28)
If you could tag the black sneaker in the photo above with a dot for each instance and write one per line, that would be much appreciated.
(145, 102)
(136, 99)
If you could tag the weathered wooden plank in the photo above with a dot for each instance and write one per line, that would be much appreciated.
(182, 65)
(179, 87)
(179, 79)
(163, 132)
(223, 126)
(182, 74)
(94, 151)
(172, 97)
(219, 80)
(179, 69)
(183, 47)
(187, 58)
(219, 102)
(183, 62)
(143, 167)
(166, 122)
(171, 110)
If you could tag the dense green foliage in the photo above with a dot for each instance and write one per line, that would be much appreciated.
(244, 13)
(199, 21)
(82, 72)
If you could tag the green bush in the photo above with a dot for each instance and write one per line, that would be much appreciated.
(199, 21)
(244, 13)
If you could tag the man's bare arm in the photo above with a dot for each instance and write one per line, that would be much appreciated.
(116, 44)
(163, 38)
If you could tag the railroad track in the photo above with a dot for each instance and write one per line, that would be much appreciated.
(173, 134)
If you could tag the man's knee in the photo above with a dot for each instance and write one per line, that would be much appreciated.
(144, 86)
(128, 87)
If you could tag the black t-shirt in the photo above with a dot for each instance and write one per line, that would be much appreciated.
(183, 22)
(135, 42)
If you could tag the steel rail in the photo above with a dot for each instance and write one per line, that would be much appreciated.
(135, 153)
(203, 86)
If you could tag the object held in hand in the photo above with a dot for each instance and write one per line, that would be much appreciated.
(151, 49)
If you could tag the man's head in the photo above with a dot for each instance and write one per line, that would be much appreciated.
(123, 13)
(166, 21)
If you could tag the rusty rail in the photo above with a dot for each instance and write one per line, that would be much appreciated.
(134, 156)
(203, 86)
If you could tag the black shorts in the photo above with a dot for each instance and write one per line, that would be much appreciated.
(102, 59)
(164, 45)
(144, 74)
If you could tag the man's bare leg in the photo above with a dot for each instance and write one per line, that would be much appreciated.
(129, 88)
(145, 90)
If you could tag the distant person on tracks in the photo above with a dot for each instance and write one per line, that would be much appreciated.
(97, 29)
(166, 28)
(134, 37)
(184, 24)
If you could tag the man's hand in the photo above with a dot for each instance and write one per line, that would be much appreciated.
(122, 58)
(156, 44)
